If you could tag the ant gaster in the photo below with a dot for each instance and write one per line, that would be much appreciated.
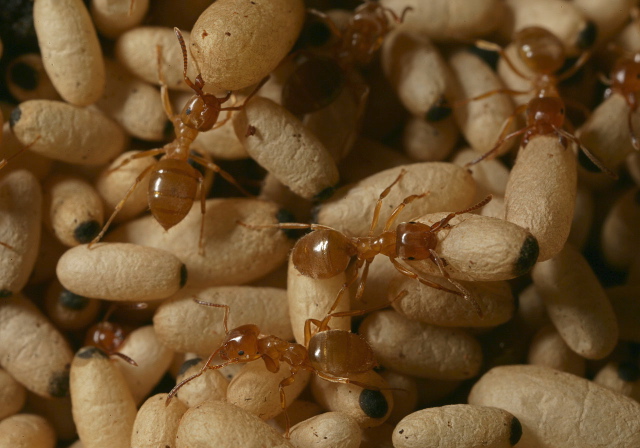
(173, 182)
(326, 252)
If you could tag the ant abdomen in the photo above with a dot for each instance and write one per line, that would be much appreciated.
(540, 50)
(340, 353)
(322, 254)
(172, 189)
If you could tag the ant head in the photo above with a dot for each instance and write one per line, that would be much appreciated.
(322, 254)
(626, 75)
(105, 335)
(201, 111)
(241, 344)
(367, 29)
(547, 110)
(540, 50)
(413, 241)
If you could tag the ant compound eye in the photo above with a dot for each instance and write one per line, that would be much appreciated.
(411, 258)
(241, 353)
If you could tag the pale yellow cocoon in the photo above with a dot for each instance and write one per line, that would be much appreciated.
(457, 426)
(21, 210)
(114, 17)
(405, 394)
(577, 304)
(153, 359)
(608, 16)
(233, 254)
(67, 310)
(32, 350)
(68, 133)
(211, 385)
(133, 103)
(377, 437)
(298, 411)
(480, 248)
(136, 50)
(103, 408)
(312, 298)
(419, 349)
(606, 132)
(491, 176)
(12, 395)
(416, 70)
(156, 423)
(448, 187)
(58, 413)
(70, 50)
(620, 235)
(548, 349)
(427, 141)
(255, 389)
(541, 192)
(438, 307)
(216, 424)
(222, 143)
(328, 430)
(620, 377)
(33, 65)
(236, 44)
(449, 19)
(370, 407)
(480, 121)
(26, 431)
(282, 145)
(186, 326)
(559, 409)
(73, 209)
(121, 271)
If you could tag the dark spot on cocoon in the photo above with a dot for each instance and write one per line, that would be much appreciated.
(373, 403)
(188, 364)
(87, 231)
(528, 256)
(59, 384)
(24, 76)
(183, 275)
(587, 36)
(628, 371)
(324, 194)
(72, 301)
(227, 33)
(439, 111)
(516, 431)
(15, 116)
(4, 293)
(91, 352)
(284, 215)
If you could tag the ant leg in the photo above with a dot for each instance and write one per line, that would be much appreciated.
(225, 320)
(219, 124)
(164, 91)
(588, 153)
(494, 150)
(120, 205)
(125, 358)
(490, 46)
(215, 168)
(8, 246)
(584, 57)
(465, 292)
(394, 214)
(345, 286)
(307, 329)
(354, 313)
(384, 194)
(203, 209)
(343, 380)
(246, 100)
(286, 225)
(409, 273)
(3, 162)
(445, 221)
(140, 155)
(283, 399)
(204, 368)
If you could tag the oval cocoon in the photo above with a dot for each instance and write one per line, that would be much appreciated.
(121, 271)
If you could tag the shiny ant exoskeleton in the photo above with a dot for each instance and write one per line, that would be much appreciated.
(326, 252)
(173, 182)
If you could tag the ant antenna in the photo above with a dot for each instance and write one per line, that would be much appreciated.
(196, 87)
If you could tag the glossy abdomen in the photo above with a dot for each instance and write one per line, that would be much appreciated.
(172, 189)
(339, 353)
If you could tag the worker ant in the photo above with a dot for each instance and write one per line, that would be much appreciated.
(330, 354)
(173, 181)
(109, 336)
(318, 80)
(326, 252)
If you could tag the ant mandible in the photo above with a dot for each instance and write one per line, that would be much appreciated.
(330, 354)
(173, 182)
(326, 252)
(318, 80)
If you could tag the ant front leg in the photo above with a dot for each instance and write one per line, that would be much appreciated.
(283, 399)
(227, 309)
(146, 171)
(140, 155)
(216, 169)
(465, 292)
(409, 273)
(384, 194)
(490, 46)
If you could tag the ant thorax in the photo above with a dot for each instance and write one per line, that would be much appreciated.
(625, 78)
(369, 247)
(185, 135)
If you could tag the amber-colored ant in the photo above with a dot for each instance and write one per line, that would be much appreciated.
(330, 354)
(326, 252)
(109, 336)
(318, 80)
(173, 182)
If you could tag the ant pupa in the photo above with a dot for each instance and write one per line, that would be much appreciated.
(326, 252)
(318, 79)
(173, 182)
(332, 355)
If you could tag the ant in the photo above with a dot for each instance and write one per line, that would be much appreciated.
(318, 80)
(330, 354)
(173, 181)
(326, 252)
(109, 336)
